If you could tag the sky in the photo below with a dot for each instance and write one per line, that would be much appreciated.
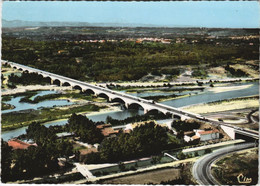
(224, 14)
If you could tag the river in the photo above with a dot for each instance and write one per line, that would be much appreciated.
(202, 97)
(24, 106)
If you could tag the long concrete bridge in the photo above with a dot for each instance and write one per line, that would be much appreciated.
(128, 100)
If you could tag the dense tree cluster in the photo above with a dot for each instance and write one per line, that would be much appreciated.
(84, 128)
(185, 125)
(144, 140)
(235, 72)
(28, 79)
(126, 60)
(35, 160)
(137, 118)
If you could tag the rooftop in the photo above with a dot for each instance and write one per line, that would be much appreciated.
(195, 137)
(17, 144)
(208, 132)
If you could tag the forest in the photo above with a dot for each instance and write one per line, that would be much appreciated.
(126, 60)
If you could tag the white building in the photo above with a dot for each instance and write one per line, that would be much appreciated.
(208, 135)
(201, 135)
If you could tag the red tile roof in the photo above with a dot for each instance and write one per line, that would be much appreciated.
(195, 137)
(104, 126)
(17, 144)
(108, 131)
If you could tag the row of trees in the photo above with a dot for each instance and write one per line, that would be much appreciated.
(137, 118)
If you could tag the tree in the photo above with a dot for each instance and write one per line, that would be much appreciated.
(144, 140)
(6, 158)
(207, 151)
(84, 128)
(181, 156)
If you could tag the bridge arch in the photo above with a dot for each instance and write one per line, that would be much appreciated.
(154, 111)
(48, 79)
(77, 87)
(135, 106)
(57, 82)
(118, 100)
(89, 91)
(103, 95)
(66, 84)
(175, 116)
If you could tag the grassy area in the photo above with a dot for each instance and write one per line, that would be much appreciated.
(225, 105)
(152, 177)
(6, 106)
(247, 69)
(6, 98)
(228, 168)
(16, 120)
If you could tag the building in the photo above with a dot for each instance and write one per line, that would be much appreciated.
(17, 144)
(107, 130)
(207, 135)
(201, 135)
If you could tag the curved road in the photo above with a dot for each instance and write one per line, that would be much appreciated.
(202, 168)
(251, 118)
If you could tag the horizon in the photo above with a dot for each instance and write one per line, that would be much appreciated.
(123, 25)
(158, 14)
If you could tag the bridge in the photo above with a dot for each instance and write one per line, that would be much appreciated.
(126, 99)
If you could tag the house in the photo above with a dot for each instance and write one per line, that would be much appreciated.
(107, 130)
(17, 144)
(201, 135)
(206, 135)
(188, 136)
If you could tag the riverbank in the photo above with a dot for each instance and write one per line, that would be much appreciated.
(225, 105)
(13, 121)
(22, 89)
(5, 106)
(140, 84)
(221, 88)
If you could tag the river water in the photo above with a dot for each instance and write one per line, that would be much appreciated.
(24, 106)
(199, 97)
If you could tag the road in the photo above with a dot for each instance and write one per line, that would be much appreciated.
(148, 103)
(251, 118)
(202, 168)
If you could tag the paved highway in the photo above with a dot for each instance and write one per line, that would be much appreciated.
(202, 168)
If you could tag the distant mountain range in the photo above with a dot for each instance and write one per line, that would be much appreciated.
(20, 23)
